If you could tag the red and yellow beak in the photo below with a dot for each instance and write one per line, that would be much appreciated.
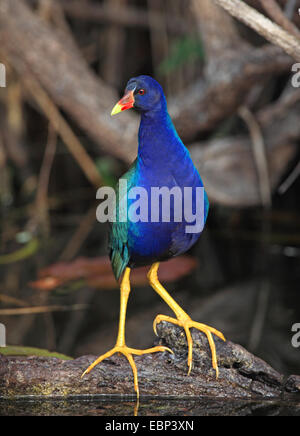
(126, 102)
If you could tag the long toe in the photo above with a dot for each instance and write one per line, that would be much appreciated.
(128, 353)
(187, 323)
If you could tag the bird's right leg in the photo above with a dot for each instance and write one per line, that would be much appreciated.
(120, 346)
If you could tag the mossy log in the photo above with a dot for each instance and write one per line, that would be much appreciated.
(242, 375)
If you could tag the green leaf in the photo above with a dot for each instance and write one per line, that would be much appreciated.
(182, 51)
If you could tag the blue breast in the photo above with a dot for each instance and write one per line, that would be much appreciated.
(163, 161)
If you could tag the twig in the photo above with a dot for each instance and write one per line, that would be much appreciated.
(52, 11)
(75, 321)
(12, 300)
(41, 309)
(79, 236)
(41, 202)
(114, 39)
(5, 184)
(290, 180)
(259, 155)
(275, 12)
(279, 108)
(64, 130)
(262, 25)
(260, 315)
(158, 37)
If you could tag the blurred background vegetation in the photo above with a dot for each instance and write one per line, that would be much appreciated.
(230, 95)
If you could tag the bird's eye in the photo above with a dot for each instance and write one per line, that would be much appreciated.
(142, 91)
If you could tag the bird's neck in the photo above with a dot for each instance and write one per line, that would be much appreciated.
(159, 142)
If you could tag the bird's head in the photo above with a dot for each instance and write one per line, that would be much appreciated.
(142, 92)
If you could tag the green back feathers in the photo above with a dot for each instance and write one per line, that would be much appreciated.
(118, 236)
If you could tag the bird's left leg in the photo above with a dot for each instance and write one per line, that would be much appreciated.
(121, 346)
(183, 320)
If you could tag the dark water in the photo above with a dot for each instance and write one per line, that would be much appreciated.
(151, 407)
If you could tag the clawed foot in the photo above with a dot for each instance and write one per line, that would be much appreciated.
(128, 353)
(186, 322)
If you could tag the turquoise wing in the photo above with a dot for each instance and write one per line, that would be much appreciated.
(118, 235)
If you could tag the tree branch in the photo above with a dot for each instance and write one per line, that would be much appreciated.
(217, 29)
(226, 164)
(242, 375)
(204, 104)
(274, 11)
(33, 48)
(124, 16)
(262, 25)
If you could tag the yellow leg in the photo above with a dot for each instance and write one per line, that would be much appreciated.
(183, 320)
(120, 346)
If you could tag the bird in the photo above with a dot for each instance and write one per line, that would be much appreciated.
(162, 161)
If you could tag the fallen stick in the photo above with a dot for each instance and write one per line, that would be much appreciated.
(242, 375)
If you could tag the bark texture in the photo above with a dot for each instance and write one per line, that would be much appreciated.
(242, 375)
